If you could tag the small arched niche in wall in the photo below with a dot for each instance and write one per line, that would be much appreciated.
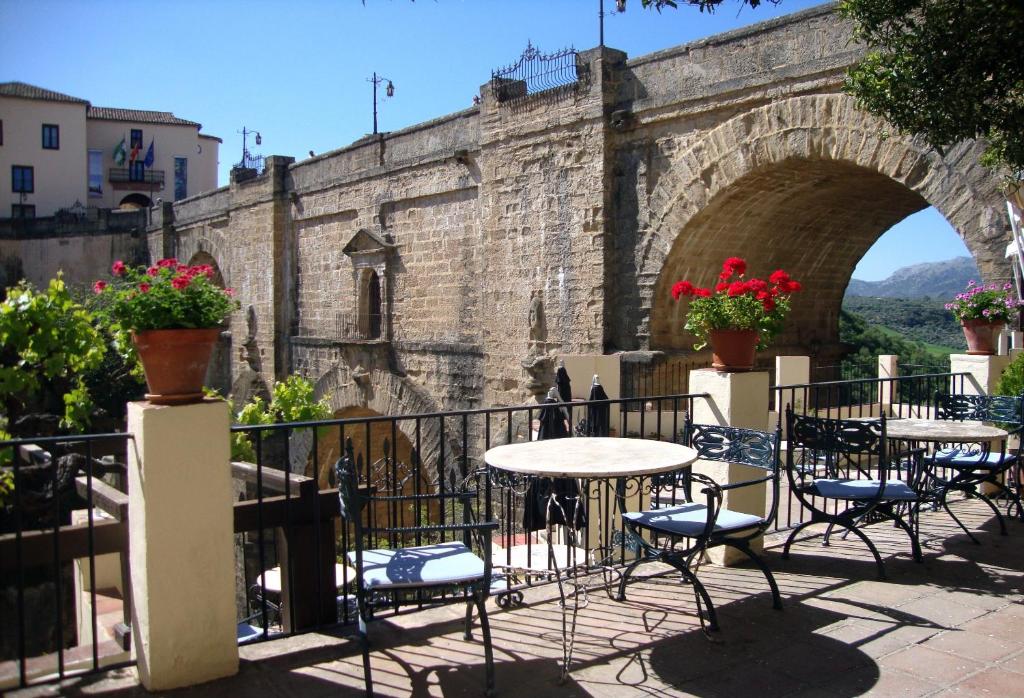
(371, 256)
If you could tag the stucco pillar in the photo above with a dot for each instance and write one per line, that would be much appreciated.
(983, 372)
(738, 400)
(182, 543)
(888, 367)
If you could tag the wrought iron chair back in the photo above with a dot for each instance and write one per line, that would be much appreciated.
(845, 465)
(359, 505)
(1003, 409)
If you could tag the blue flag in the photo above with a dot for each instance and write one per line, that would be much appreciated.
(148, 162)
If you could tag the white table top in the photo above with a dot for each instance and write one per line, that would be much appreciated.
(590, 456)
(271, 579)
(942, 430)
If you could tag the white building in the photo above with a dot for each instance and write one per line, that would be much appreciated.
(57, 150)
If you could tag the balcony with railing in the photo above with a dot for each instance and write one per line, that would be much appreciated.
(144, 179)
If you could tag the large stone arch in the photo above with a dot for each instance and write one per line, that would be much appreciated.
(807, 184)
(385, 393)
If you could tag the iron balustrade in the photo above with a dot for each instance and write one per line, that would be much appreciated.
(537, 72)
(150, 178)
(288, 518)
(899, 396)
(61, 508)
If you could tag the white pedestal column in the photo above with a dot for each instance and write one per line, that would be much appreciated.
(738, 400)
(182, 543)
(984, 371)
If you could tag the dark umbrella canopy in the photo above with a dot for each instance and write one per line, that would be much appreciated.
(540, 508)
(598, 416)
(563, 384)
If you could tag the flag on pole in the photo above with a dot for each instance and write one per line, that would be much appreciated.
(148, 162)
(119, 153)
(136, 148)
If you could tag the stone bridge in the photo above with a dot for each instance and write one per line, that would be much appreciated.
(423, 269)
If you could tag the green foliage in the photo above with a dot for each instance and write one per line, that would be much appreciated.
(947, 69)
(1012, 380)
(48, 342)
(869, 341)
(984, 303)
(292, 400)
(922, 320)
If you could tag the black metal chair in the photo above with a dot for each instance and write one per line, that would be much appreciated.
(845, 465)
(967, 468)
(444, 571)
(690, 528)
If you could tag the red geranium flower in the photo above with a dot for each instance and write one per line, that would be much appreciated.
(721, 286)
(778, 277)
(168, 262)
(737, 288)
(792, 287)
(153, 271)
(180, 282)
(702, 292)
(144, 287)
(681, 288)
(117, 268)
(734, 265)
(99, 286)
(768, 304)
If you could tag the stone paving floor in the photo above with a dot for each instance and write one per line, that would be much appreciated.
(953, 625)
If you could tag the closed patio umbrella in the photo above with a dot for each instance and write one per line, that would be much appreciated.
(598, 416)
(538, 509)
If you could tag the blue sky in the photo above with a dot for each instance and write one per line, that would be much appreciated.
(298, 71)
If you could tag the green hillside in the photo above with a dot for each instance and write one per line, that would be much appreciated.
(868, 340)
(922, 320)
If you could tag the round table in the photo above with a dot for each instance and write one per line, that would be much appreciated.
(942, 431)
(589, 459)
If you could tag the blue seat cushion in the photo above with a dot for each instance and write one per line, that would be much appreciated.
(864, 489)
(246, 632)
(690, 519)
(973, 459)
(426, 565)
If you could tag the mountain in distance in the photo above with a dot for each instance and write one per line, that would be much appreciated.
(934, 279)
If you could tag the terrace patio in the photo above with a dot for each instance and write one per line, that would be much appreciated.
(949, 626)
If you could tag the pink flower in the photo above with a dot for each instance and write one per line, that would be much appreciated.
(99, 286)
(117, 269)
(153, 271)
(230, 292)
(144, 287)
(168, 262)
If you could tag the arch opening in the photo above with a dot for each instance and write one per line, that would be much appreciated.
(814, 218)
(219, 372)
(134, 202)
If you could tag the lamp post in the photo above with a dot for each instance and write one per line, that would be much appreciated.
(620, 6)
(389, 91)
(245, 152)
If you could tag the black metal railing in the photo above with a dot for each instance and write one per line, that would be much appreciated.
(901, 396)
(536, 72)
(146, 178)
(64, 602)
(251, 162)
(292, 550)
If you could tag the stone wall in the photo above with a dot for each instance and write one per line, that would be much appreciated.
(511, 233)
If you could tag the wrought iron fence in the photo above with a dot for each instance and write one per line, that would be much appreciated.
(536, 72)
(64, 583)
(251, 162)
(292, 548)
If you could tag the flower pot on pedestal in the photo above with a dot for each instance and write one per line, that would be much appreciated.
(175, 363)
(733, 350)
(982, 336)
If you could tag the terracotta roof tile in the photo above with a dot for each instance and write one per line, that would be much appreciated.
(26, 91)
(138, 116)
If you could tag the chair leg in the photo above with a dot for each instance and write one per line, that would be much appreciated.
(700, 594)
(945, 505)
(867, 541)
(485, 628)
(995, 509)
(911, 531)
(744, 547)
(625, 577)
(792, 537)
(364, 640)
(468, 632)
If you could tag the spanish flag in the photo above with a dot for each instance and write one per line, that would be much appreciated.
(136, 149)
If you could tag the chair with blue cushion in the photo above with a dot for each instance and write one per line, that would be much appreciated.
(442, 568)
(688, 528)
(969, 468)
(842, 472)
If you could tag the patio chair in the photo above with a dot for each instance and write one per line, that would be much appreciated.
(444, 571)
(691, 527)
(839, 470)
(968, 468)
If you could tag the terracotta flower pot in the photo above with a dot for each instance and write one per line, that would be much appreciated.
(175, 363)
(982, 336)
(733, 350)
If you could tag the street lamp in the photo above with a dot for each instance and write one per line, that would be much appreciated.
(620, 6)
(245, 151)
(389, 91)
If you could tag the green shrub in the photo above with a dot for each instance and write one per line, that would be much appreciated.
(291, 401)
(1012, 380)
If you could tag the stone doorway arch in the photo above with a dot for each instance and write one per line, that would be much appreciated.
(806, 184)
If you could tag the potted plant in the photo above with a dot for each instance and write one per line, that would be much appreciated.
(173, 313)
(982, 310)
(739, 315)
